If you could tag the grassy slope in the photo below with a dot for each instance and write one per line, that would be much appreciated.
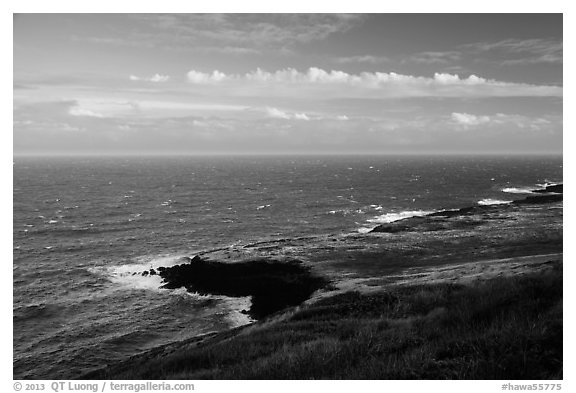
(505, 328)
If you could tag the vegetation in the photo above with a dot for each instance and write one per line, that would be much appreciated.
(505, 328)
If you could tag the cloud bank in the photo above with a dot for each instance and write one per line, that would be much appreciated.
(373, 84)
(156, 78)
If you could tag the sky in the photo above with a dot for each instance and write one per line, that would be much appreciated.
(287, 83)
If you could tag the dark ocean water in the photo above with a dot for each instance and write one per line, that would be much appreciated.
(81, 224)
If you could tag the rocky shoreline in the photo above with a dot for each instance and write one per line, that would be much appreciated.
(272, 285)
(465, 246)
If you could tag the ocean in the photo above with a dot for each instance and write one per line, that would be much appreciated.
(83, 225)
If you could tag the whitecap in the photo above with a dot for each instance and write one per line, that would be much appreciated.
(343, 212)
(191, 295)
(490, 201)
(547, 184)
(134, 280)
(391, 217)
(234, 307)
(517, 190)
(129, 276)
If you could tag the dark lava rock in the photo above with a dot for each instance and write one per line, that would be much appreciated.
(465, 211)
(538, 199)
(466, 217)
(272, 285)
(557, 188)
(393, 227)
(445, 220)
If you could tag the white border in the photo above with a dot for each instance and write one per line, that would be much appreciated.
(370, 6)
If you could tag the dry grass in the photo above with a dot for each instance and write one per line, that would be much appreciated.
(506, 328)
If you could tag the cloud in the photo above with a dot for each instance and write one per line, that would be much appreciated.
(254, 29)
(203, 78)
(434, 57)
(469, 121)
(229, 50)
(79, 111)
(362, 59)
(279, 114)
(368, 84)
(156, 78)
(526, 51)
(240, 34)
(289, 133)
(301, 116)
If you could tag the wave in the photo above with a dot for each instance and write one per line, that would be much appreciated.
(548, 184)
(236, 307)
(362, 210)
(518, 190)
(391, 217)
(345, 212)
(490, 201)
(129, 276)
(35, 310)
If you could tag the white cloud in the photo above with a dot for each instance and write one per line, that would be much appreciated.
(79, 111)
(159, 78)
(204, 78)
(279, 114)
(156, 78)
(468, 120)
(301, 116)
(370, 84)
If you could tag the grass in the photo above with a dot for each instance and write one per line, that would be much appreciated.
(506, 328)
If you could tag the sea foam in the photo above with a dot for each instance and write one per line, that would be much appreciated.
(517, 190)
(129, 276)
(490, 201)
(391, 217)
